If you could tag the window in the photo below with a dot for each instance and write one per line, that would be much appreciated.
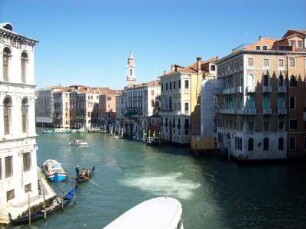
(293, 124)
(24, 112)
(186, 107)
(28, 188)
(174, 85)
(281, 81)
(266, 125)
(251, 144)
(292, 62)
(257, 47)
(280, 144)
(292, 102)
(186, 124)
(250, 125)
(281, 63)
(281, 125)
(186, 84)
(26, 162)
(170, 85)
(292, 143)
(8, 166)
(24, 60)
(10, 195)
(250, 62)
(293, 81)
(179, 84)
(266, 63)
(7, 115)
(264, 47)
(6, 58)
(266, 144)
(266, 80)
(300, 44)
(292, 43)
(212, 67)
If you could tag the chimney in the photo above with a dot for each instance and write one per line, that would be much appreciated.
(172, 68)
(259, 38)
(199, 62)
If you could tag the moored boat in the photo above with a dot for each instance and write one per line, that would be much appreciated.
(56, 204)
(160, 212)
(54, 171)
(78, 142)
(84, 175)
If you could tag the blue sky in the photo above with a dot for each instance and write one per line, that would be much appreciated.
(88, 41)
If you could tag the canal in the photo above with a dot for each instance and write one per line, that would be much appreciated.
(213, 193)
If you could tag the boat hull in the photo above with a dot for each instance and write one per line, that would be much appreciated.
(60, 177)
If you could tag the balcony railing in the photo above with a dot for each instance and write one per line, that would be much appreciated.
(247, 111)
(267, 111)
(282, 111)
(250, 89)
(266, 89)
(282, 89)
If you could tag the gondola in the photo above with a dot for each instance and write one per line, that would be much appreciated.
(84, 175)
(57, 204)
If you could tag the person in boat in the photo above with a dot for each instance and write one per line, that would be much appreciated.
(77, 170)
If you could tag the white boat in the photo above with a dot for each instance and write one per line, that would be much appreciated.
(54, 171)
(78, 142)
(156, 213)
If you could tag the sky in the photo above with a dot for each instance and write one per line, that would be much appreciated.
(88, 42)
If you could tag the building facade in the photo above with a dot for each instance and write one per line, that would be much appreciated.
(18, 161)
(180, 91)
(253, 107)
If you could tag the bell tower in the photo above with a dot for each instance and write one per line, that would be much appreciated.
(130, 78)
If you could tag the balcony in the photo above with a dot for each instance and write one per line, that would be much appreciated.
(282, 111)
(250, 89)
(282, 89)
(266, 89)
(230, 90)
(227, 111)
(247, 111)
(239, 89)
(267, 111)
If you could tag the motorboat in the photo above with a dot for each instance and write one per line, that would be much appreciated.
(160, 212)
(78, 142)
(54, 171)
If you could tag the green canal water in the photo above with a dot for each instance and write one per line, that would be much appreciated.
(213, 193)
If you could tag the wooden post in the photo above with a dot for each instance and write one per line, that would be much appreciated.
(29, 211)
(44, 197)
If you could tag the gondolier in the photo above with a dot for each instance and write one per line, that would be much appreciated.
(77, 170)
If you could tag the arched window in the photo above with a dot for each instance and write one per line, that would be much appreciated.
(6, 59)
(292, 102)
(266, 80)
(7, 114)
(24, 113)
(266, 144)
(24, 60)
(251, 144)
(281, 81)
(293, 82)
(280, 144)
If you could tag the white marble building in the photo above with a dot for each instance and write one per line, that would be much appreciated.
(18, 162)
